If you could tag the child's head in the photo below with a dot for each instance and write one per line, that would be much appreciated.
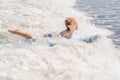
(71, 24)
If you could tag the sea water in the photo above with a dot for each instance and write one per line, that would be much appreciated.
(68, 59)
(105, 14)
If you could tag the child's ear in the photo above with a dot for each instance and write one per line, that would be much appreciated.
(68, 26)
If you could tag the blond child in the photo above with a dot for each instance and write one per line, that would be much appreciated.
(70, 23)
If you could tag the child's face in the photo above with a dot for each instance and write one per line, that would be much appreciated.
(73, 26)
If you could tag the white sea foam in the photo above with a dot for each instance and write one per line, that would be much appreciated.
(69, 59)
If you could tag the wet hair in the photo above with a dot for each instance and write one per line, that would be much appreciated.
(68, 21)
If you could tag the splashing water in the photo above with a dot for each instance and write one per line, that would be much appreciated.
(68, 60)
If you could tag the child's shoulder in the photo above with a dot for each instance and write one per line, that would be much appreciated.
(62, 33)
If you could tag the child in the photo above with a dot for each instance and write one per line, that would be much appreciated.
(70, 23)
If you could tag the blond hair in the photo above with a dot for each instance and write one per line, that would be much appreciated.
(68, 21)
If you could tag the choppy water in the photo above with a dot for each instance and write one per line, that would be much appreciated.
(105, 13)
(68, 59)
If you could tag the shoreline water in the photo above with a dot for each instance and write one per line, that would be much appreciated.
(105, 14)
(69, 60)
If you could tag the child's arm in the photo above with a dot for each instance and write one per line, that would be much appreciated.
(21, 33)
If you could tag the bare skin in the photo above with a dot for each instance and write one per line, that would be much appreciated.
(66, 33)
(72, 27)
(21, 33)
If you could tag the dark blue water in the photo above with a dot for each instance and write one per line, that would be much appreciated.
(105, 13)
